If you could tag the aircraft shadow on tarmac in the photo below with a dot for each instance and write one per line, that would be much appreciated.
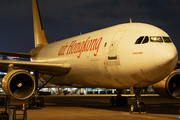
(155, 105)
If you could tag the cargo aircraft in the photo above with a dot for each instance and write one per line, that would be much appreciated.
(130, 55)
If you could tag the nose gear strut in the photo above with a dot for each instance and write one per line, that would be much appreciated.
(137, 105)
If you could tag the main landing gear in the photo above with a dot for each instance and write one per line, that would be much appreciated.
(137, 105)
(36, 101)
(118, 100)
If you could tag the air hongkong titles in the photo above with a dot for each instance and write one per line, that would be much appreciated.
(79, 47)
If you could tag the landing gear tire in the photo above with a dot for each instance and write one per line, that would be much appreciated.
(112, 101)
(141, 107)
(137, 108)
(31, 102)
(41, 102)
(36, 102)
(134, 107)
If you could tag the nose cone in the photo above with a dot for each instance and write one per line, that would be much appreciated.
(165, 56)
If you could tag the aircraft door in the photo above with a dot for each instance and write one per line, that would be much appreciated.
(112, 54)
(112, 61)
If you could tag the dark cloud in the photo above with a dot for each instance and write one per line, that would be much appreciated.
(62, 19)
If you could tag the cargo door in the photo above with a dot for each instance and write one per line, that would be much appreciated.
(113, 58)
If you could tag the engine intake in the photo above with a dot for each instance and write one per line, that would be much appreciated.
(20, 84)
(169, 86)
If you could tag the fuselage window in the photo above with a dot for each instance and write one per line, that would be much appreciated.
(139, 40)
(167, 39)
(146, 39)
(156, 39)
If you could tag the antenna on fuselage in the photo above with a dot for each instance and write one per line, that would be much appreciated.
(130, 20)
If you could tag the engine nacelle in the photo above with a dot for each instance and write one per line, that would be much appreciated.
(169, 86)
(20, 84)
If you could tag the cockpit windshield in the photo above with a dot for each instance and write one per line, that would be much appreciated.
(142, 39)
(153, 39)
(167, 39)
(146, 39)
(156, 39)
(139, 40)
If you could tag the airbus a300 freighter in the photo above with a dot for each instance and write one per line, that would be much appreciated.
(119, 57)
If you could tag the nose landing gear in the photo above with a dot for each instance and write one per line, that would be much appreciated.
(136, 105)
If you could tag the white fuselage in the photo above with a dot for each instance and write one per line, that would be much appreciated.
(110, 58)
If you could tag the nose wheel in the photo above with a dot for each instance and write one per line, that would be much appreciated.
(136, 105)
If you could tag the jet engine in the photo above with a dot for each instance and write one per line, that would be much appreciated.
(169, 86)
(20, 84)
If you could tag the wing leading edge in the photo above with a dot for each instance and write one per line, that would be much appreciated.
(18, 54)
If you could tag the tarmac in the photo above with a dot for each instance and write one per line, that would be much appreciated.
(97, 107)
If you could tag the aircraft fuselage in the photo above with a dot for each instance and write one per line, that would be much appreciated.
(112, 57)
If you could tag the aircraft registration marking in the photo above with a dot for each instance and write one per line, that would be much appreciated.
(137, 53)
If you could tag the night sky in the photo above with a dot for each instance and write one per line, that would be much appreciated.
(67, 18)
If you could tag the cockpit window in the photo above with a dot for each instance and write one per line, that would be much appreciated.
(139, 40)
(156, 39)
(146, 39)
(167, 39)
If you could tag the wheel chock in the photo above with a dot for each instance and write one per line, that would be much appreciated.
(130, 112)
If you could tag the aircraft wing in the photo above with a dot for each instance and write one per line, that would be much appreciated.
(18, 54)
(41, 67)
